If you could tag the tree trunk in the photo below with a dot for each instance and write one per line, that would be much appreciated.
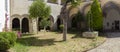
(64, 29)
(44, 30)
(64, 16)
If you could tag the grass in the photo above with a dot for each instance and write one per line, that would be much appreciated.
(52, 42)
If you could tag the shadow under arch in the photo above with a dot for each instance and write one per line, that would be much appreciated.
(48, 27)
(111, 13)
(25, 25)
(110, 5)
(58, 23)
(15, 24)
(77, 21)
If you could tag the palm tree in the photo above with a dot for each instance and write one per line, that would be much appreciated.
(64, 15)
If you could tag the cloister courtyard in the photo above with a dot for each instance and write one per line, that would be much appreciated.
(60, 26)
(52, 42)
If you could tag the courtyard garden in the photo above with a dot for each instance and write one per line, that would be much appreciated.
(52, 42)
(48, 41)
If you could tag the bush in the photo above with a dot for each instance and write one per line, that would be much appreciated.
(61, 27)
(7, 39)
(97, 16)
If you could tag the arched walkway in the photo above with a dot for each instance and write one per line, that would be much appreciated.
(15, 24)
(58, 23)
(74, 23)
(25, 25)
(111, 13)
(86, 8)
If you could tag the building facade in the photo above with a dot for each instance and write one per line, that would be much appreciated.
(19, 17)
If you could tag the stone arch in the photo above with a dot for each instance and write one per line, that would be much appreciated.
(86, 8)
(78, 21)
(25, 25)
(15, 15)
(73, 23)
(58, 23)
(25, 15)
(110, 5)
(52, 22)
(111, 12)
(15, 24)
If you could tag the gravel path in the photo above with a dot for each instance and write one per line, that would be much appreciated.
(112, 44)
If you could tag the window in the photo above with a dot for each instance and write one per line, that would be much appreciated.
(107, 24)
(112, 23)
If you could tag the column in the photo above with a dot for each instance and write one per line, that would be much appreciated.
(20, 25)
(59, 2)
(45, 1)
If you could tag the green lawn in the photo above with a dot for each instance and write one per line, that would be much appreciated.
(52, 42)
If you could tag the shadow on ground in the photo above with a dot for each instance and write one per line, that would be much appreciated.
(77, 34)
(27, 34)
(113, 34)
(33, 41)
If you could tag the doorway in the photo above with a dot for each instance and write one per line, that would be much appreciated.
(117, 25)
(25, 25)
(58, 23)
(15, 24)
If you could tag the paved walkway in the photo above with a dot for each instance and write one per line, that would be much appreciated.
(112, 44)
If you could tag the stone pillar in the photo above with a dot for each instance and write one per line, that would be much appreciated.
(45, 1)
(20, 25)
(54, 26)
(34, 26)
(30, 26)
(59, 2)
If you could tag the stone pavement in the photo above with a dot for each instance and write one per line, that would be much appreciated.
(112, 44)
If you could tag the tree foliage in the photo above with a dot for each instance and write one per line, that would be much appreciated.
(96, 13)
(45, 23)
(39, 9)
(75, 3)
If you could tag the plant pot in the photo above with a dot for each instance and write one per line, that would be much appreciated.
(88, 34)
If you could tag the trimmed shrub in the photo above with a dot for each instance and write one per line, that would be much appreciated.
(7, 40)
(61, 27)
(4, 44)
(97, 17)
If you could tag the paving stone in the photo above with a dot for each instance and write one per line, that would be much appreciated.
(112, 44)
